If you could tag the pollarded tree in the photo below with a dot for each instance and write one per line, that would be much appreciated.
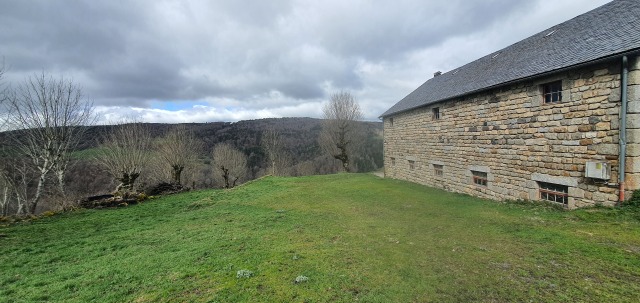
(230, 164)
(124, 153)
(179, 149)
(50, 115)
(341, 133)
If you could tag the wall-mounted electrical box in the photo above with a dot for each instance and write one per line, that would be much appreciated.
(598, 170)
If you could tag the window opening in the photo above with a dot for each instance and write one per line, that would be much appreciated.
(412, 164)
(438, 170)
(552, 92)
(436, 113)
(554, 192)
(480, 178)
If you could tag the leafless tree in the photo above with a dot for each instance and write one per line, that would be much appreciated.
(272, 145)
(124, 153)
(49, 114)
(179, 149)
(6, 192)
(14, 188)
(341, 134)
(230, 164)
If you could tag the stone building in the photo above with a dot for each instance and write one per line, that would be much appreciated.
(553, 117)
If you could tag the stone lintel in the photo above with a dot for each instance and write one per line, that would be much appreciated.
(567, 181)
(480, 168)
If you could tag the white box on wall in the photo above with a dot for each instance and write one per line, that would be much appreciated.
(598, 170)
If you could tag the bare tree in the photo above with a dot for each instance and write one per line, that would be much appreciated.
(124, 153)
(272, 145)
(230, 164)
(179, 149)
(14, 187)
(341, 134)
(50, 114)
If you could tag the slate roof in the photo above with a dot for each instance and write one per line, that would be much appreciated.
(608, 31)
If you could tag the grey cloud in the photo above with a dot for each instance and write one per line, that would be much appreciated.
(386, 30)
(133, 52)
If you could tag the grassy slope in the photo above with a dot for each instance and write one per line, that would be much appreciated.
(354, 236)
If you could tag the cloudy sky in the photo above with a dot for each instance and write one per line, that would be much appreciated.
(202, 61)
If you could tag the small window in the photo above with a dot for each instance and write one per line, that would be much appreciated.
(391, 121)
(479, 178)
(412, 164)
(393, 161)
(552, 92)
(436, 113)
(554, 192)
(438, 170)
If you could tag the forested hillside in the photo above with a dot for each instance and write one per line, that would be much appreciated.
(299, 154)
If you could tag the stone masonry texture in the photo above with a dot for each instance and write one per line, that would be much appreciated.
(510, 134)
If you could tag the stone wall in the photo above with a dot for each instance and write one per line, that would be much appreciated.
(510, 134)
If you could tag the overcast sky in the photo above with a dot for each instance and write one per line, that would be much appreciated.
(203, 61)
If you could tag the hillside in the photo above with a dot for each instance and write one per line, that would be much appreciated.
(300, 139)
(355, 237)
(302, 153)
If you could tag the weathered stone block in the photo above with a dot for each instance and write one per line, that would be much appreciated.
(633, 107)
(585, 128)
(600, 197)
(576, 192)
(634, 77)
(586, 142)
(633, 120)
(632, 181)
(606, 149)
(633, 150)
(633, 135)
(603, 126)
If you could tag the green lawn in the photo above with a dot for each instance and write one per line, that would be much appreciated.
(356, 238)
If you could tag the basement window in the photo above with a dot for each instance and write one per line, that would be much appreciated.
(436, 113)
(438, 170)
(554, 192)
(480, 178)
(552, 92)
(412, 164)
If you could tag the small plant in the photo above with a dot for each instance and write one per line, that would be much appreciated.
(634, 201)
(48, 213)
(141, 197)
(300, 279)
(243, 273)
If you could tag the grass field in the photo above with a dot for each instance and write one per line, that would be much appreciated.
(355, 237)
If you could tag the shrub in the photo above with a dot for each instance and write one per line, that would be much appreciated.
(634, 201)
